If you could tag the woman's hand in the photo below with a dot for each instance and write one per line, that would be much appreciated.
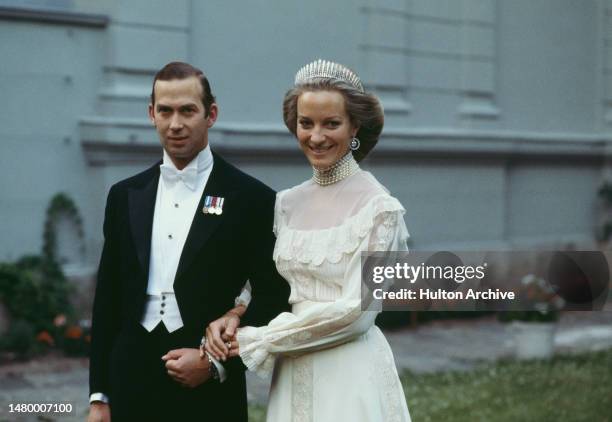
(235, 349)
(221, 333)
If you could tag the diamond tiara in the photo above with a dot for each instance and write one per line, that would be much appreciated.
(326, 69)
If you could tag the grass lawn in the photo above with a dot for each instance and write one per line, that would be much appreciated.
(567, 388)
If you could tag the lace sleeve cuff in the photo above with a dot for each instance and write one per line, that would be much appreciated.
(253, 351)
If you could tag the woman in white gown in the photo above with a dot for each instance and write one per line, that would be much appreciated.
(330, 362)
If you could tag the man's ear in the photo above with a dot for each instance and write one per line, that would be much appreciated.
(151, 114)
(213, 113)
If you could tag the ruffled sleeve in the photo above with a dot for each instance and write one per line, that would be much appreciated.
(278, 213)
(327, 324)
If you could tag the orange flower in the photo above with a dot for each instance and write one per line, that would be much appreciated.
(73, 332)
(45, 337)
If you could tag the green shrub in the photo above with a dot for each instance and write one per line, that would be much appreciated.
(76, 341)
(20, 339)
(34, 291)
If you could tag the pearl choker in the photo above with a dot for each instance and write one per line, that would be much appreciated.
(342, 169)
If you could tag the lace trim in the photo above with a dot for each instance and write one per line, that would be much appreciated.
(301, 397)
(389, 380)
(381, 238)
(253, 352)
(316, 246)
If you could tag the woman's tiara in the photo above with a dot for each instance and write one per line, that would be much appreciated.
(326, 69)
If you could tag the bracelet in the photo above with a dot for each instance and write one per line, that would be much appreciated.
(202, 346)
(212, 368)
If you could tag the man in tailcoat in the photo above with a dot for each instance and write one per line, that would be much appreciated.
(181, 240)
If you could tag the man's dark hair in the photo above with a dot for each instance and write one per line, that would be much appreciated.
(180, 70)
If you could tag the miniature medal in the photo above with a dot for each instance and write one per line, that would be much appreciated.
(219, 207)
(207, 204)
(213, 205)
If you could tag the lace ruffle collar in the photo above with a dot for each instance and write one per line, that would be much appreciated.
(316, 246)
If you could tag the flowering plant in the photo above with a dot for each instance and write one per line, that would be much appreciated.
(45, 338)
(539, 302)
(77, 339)
(73, 338)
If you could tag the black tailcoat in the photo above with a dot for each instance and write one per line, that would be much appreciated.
(220, 254)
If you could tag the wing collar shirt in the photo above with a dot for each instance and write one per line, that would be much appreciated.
(178, 195)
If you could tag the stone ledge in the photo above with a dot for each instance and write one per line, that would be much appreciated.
(108, 140)
(53, 17)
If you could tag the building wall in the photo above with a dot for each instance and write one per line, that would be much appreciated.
(497, 111)
(49, 75)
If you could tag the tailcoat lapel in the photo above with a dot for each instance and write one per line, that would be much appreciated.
(141, 203)
(204, 225)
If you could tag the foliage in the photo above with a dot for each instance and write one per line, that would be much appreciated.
(527, 391)
(76, 339)
(257, 413)
(537, 390)
(61, 205)
(19, 339)
(538, 302)
(34, 291)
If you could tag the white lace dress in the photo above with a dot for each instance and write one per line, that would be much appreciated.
(331, 363)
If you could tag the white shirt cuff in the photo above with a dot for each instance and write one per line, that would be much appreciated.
(220, 368)
(244, 298)
(98, 397)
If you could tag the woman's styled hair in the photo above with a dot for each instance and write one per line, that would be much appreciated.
(364, 110)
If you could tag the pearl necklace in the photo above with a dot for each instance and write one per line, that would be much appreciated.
(342, 169)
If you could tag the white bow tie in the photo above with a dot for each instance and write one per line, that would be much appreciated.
(189, 175)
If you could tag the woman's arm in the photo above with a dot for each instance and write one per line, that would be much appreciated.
(325, 325)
